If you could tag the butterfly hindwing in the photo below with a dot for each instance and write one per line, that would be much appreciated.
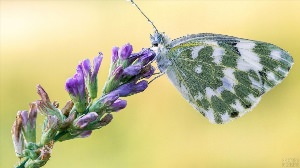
(224, 77)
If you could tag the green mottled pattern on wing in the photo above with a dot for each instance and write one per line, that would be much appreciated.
(224, 77)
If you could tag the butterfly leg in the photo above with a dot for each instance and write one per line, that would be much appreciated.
(159, 74)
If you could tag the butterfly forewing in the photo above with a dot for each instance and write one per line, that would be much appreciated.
(224, 77)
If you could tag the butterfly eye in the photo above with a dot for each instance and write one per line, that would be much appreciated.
(155, 44)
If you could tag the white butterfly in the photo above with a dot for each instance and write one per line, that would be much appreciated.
(222, 77)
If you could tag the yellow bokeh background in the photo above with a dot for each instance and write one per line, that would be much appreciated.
(43, 41)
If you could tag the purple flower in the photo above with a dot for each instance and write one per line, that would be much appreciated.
(85, 120)
(97, 62)
(104, 102)
(103, 122)
(118, 105)
(147, 56)
(125, 51)
(140, 87)
(148, 71)
(84, 112)
(75, 85)
(79, 78)
(124, 90)
(117, 73)
(86, 67)
(115, 55)
(76, 88)
(85, 134)
(109, 99)
(132, 70)
(90, 77)
(141, 56)
(131, 88)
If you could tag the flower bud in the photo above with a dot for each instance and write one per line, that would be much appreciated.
(109, 99)
(147, 71)
(103, 102)
(90, 77)
(76, 88)
(131, 88)
(117, 105)
(85, 134)
(125, 51)
(114, 56)
(147, 56)
(106, 119)
(140, 87)
(96, 65)
(84, 120)
(17, 136)
(132, 70)
(103, 122)
(124, 90)
(117, 73)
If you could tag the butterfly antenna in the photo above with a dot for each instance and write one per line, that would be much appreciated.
(133, 3)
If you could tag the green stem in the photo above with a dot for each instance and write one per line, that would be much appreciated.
(22, 165)
(59, 135)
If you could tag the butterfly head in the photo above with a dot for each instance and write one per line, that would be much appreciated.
(159, 38)
(156, 39)
(159, 43)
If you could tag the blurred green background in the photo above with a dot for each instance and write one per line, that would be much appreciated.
(42, 42)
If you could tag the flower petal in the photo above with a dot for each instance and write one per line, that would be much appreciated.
(141, 86)
(125, 51)
(97, 62)
(115, 55)
(86, 68)
(147, 57)
(85, 120)
(85, 134)
(118, 105)
(132, 70)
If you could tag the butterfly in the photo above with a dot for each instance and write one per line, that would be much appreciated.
(222, 77)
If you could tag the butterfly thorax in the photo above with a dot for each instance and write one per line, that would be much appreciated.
(160, 43)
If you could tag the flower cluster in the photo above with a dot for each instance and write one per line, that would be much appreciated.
(84, 80)
(84, 112)
(126, 75)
